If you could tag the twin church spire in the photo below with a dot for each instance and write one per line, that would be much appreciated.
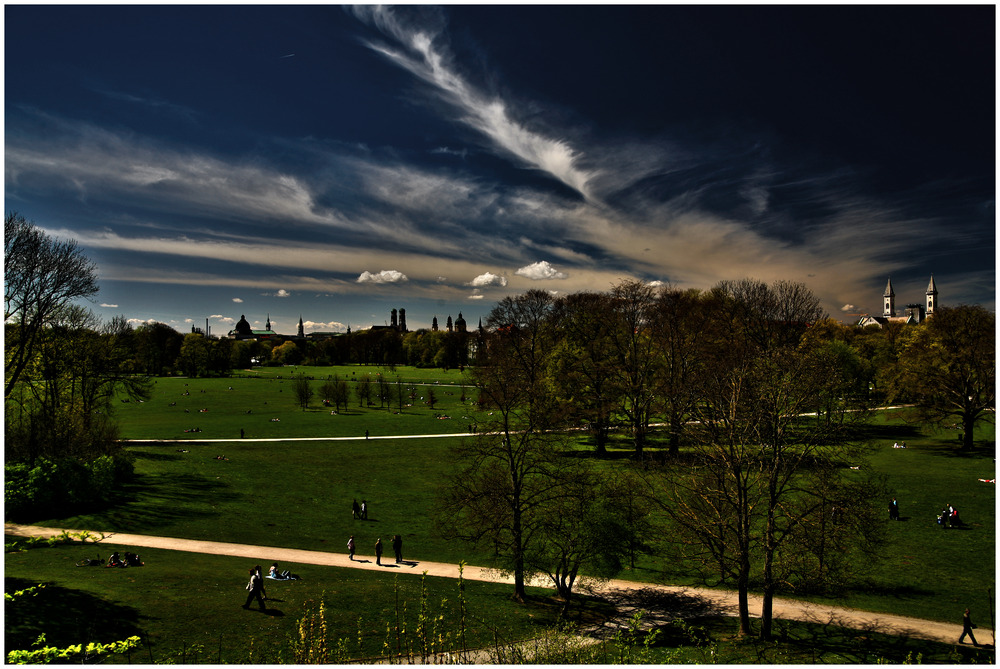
(889, 300)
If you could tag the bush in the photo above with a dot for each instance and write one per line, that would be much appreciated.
(55, 487)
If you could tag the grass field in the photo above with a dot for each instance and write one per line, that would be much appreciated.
(298, 494)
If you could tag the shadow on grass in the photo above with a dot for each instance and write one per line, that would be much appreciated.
(153, 500)
(659, 609)
(66, 617)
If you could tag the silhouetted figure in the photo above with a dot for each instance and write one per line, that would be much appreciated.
(350, 546)
(397, 547)
(256, 588)
(378, 551)
(355, 509)
(893, 509)
(967, 628)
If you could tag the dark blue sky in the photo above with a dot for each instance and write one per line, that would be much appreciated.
(335, 163)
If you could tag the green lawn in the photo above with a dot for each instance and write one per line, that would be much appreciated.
(264, 405)
(298, 495)
(188, 606)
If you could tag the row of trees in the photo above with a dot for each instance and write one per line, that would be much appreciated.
(159, 349)
(758, 395)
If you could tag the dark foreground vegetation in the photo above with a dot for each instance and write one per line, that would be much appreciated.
(725, 437)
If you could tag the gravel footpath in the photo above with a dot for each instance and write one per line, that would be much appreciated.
(628, 594)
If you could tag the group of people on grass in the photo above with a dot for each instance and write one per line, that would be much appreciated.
(947, 518)
(255, 587)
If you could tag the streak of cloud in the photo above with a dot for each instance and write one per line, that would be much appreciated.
(423, 56)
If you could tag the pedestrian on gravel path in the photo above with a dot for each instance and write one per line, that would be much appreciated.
(350, 546)
(378, 551)
(256, 588)
(397, 547)
(967, 628)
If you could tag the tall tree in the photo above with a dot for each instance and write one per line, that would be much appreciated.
(680, 318)
(582, 362)
(747, 492)
(303, 391)
(949, 368)
(41, 277)
(512, 469)
(636, 356)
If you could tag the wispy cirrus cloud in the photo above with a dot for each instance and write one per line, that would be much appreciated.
(420, 52)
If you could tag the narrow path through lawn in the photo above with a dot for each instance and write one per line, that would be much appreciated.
(627, 593)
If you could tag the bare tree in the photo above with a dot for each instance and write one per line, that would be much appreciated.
(41, 277)
(512, 468)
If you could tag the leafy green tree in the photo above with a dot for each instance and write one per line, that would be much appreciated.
(636, 357)
(581, 369)
(948, 368)
(749, 489)
(156, 348)
(195, 355)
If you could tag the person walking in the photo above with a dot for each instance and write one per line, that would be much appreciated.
(364, 510)
(256, 588)
(355, 509)
(967, 628)
(893, 509)
(350, 546)
(397, 547)
(378, 551)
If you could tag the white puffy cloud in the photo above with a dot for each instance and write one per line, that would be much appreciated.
(476, 294)
(848, 307)
(109, 306)
(282, 293)
(489, 279)
(237, 300)
(541, 270)
(332, 326)
(385, 276)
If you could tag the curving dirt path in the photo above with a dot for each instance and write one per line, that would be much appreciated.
(628, 594)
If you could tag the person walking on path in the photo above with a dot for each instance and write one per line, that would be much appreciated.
(378, 551)
(355, 509)
(350, 546)
(397, 547)
(256, 588)
(967, 628)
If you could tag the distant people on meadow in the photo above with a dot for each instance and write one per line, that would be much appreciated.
(893, 509)
(949, 517)
(364, 510)
(350, 547)
(355, 509)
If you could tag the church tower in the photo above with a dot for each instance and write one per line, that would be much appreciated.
(932, 295)
(268, 325)
(889, 301)
(402, 320)
(302, 332)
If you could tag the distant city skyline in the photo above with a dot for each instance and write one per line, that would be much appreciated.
(335, 163)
